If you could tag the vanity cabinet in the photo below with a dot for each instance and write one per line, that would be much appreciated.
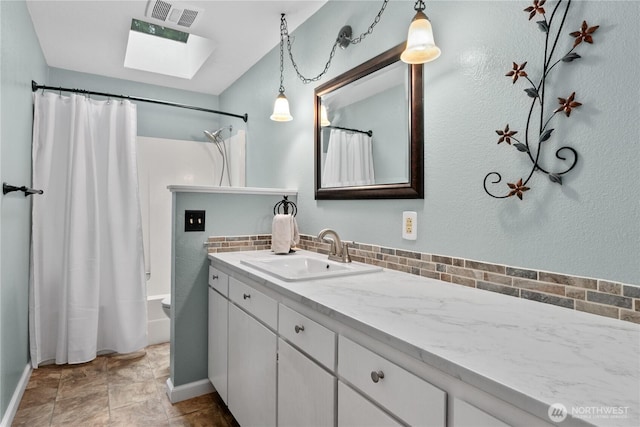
(408, 397)
(218, 329)
(252, 356)
(283, 363)
(306, 381)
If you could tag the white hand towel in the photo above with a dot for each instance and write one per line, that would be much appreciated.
(284, 233)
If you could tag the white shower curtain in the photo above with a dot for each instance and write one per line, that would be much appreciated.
(349, 160)
(87, 287)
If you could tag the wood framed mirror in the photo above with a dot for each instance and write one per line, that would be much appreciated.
(369, 131)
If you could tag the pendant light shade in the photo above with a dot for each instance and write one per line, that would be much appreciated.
(421, 47)
(324, 117)
(281, 106)
(281, 109)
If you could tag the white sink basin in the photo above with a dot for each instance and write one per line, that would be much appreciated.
(295, 268)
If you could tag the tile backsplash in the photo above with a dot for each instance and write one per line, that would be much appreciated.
(599, 297)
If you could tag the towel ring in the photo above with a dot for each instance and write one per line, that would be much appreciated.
(285, 205)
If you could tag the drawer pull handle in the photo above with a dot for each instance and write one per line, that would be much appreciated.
(214, 277)
(377, 376)
(298, 329)
(246, 296)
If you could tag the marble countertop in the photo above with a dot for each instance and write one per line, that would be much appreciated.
(529, 354)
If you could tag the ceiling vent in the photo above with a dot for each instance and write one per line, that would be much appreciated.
(169, 12)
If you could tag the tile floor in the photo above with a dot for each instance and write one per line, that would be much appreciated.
(122, 390)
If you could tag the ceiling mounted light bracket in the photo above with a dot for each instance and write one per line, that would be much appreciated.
(344, 37)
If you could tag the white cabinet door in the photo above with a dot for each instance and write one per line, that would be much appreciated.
(306, 392)
(466, 415)
(217, 357)
(252, 370)
(356, 411)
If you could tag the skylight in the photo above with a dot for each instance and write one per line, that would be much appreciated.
(163, 50)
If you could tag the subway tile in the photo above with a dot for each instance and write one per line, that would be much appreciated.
(607, 299)
(507, 290)
(442, 259)
(534, 285)
(609, 287)
(465, 281)
(408, 254)
(458, 262)
(426, 257)
(441, 267)
(630, 316)
(547, 299)
(631, 291)
(600, 310)
(445, 277)
(430, 274)
(465, 272)
(391, 259)
(637, 304)
(520, 272)
(388, 251)
(575, 293)
(497, 278)
(492, 268)
(579, 282)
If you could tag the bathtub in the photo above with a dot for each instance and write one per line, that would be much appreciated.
(158, 326)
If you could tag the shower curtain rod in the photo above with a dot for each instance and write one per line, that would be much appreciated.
(368, 132)
(35, 86)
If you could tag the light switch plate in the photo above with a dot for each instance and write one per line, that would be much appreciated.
(409, 225)
(194, 220)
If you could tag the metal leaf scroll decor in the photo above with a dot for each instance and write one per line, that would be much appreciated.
(535, 138)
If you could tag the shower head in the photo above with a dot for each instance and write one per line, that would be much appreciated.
(214, 136)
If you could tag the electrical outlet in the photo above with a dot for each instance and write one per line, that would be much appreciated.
(194, 220)
(409, 225)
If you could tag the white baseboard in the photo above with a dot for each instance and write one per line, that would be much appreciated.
(10, 413)
(188, 391)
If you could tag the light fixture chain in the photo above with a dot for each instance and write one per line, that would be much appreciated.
(373, 24)
(284, 32)
(283, 28)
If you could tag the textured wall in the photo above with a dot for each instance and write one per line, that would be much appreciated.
(590, 226)
(22, 61)
(226, 215)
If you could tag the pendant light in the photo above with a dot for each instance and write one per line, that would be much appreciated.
(281, 106)
(421, 47)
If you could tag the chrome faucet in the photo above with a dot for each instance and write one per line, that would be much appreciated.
(339, 250)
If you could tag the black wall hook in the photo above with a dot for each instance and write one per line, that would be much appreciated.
(6, 188)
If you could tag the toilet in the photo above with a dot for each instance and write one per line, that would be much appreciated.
(166, 306)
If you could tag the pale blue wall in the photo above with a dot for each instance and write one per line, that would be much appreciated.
(589, 227)
(22, 60)
(226, 215)
(154, 120)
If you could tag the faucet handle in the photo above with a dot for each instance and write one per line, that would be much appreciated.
(345, 251)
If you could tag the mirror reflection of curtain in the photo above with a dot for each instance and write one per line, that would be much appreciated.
(349, 160)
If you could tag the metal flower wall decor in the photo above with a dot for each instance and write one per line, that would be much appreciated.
(535, 138)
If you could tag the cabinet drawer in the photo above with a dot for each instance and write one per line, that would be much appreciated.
(408, 397)
(219, 281)
(311, 337)
(255, 302)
